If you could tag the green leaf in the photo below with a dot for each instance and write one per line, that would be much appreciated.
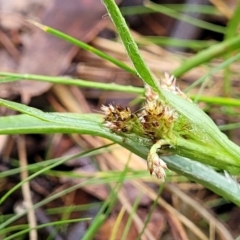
(129, 43)
(84, 46)
(218, 49)
(92, 124)
(183, 17)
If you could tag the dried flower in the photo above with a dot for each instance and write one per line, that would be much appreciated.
(168, 82)
(156, 121)
(117, 118)
(156, 166)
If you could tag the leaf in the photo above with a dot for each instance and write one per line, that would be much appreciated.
(92, 124)
(210, 145)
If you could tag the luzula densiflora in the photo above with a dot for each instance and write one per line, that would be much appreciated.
(155, 121)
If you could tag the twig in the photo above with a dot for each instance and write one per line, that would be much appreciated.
(26, 188)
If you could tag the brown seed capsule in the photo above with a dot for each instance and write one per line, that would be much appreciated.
(156, 166)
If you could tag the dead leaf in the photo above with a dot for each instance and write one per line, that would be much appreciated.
(48, 55)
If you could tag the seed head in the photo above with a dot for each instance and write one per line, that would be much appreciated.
(157, 119)
(168, 82)
(117, 118)
(156, 166)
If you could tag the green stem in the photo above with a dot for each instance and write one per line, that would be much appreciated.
(183, 17)
(208, 54)
(109, 87)
(217, 100)
(68, 81)
(84, 46)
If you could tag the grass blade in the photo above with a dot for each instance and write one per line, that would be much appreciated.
(84, 46)
(228, 188)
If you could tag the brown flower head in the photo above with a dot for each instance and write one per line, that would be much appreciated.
(157, 119)
(156, 166)
(117, 118)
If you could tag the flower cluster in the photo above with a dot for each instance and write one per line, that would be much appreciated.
(168, 82)
(155, 121)
(156, 166)
(117, 118)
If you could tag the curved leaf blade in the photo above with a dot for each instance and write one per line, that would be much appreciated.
(92, 124)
